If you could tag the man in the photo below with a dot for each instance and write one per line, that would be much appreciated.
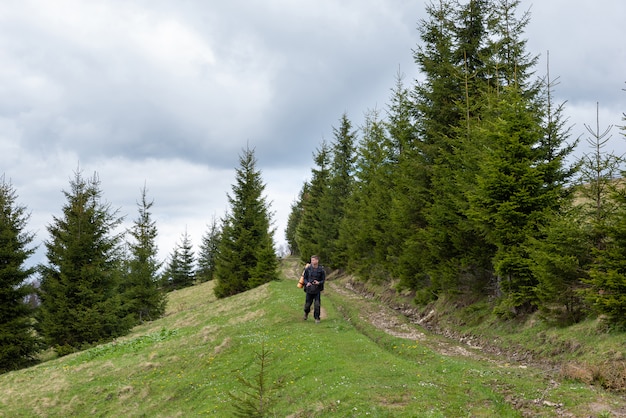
(314, 278)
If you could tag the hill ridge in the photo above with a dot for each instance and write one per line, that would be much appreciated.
(189, 362)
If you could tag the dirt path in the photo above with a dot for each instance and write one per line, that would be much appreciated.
(394, 322)
(400, 324)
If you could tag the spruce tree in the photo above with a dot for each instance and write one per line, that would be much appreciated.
(80, 296)
(452, 58)
(528, 139)
(208, 252)
(604, 202)
(311, 235)
(607, 293)
(510, 199)
(341, 182)
(180, 271)
(561, 256)
(408, 183)
(187, 266)
(364, 229)
(598, 169)
(171, 271)
(397, 184)
(561, 251)
(246, 255)
(508, 62)
(323, 206)
(18, 341)
(143, 294)
(295, 216)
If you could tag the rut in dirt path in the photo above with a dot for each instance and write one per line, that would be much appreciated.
(394, 323)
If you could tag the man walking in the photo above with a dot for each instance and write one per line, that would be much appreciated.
(314, 278)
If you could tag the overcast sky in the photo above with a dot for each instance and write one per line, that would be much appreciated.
(169, 93)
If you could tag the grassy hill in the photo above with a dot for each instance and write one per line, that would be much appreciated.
(361, 360)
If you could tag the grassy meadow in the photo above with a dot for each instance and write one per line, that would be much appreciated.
(207, 356)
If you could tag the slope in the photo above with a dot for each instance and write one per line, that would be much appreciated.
(190, 362)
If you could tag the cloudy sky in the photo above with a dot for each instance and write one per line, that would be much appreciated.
(169, 93)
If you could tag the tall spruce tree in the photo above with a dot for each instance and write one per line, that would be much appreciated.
(80, 295)
(561, 251)
(341, 182)
(311, 235)
(530, 189)
(323, 206)
(604, 203)
(510, 199)
(364, 231)
(409, 189)
(452, 58)
(207, 256)
(18, 341)
(143, 294)
(246, 256)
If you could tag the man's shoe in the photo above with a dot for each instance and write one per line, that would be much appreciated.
(305, 317)
(317, 321)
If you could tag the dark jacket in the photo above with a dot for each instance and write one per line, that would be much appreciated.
(311, 274)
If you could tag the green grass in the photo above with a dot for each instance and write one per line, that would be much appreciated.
(188, 364)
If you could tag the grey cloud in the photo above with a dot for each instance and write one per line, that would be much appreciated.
(585, 49)
(171, 92)
(276, 76)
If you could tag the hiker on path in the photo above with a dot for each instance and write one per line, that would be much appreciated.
(314, 278)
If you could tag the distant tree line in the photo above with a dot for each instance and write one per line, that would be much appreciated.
(467, 187)
(99, 282)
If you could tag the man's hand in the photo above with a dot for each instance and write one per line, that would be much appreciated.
(316, 282)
